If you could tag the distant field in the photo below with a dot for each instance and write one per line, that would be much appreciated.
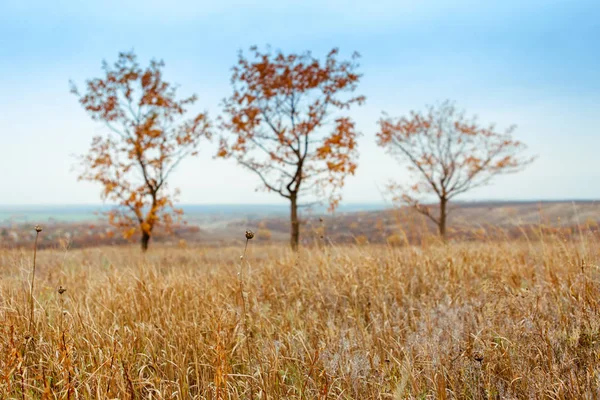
(351, 224)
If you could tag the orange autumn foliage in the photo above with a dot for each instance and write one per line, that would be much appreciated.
(449, 154)
(148, 135)
(287, 124)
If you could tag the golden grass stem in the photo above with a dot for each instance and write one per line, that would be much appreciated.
(249, 235)
(31, 303)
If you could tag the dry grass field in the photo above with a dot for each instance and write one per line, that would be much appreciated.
(483, 320)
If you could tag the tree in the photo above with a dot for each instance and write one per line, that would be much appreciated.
(449, 154)
(148, 136)
(277, 118)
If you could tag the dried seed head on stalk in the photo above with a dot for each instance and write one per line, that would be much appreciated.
(249, 234)
(38, 229)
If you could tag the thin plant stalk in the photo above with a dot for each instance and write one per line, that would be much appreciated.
(244, 306)
(249, 235)
(37, 234)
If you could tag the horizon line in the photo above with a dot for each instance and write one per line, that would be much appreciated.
(369, 203)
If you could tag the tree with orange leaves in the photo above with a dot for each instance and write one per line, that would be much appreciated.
(147, 138)
(450, 155)
(278, 119)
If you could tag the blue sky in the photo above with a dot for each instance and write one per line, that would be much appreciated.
(535, 64)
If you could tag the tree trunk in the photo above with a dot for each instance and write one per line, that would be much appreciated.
(148, 223)
(145, 240)
(443, 217)
(295, 230)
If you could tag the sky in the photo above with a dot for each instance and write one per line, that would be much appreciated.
(532, 63)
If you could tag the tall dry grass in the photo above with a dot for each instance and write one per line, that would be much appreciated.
(480, 320)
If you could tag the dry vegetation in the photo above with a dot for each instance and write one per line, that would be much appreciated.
(475, 320)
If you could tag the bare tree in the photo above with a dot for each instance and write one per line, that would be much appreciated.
(449, 154)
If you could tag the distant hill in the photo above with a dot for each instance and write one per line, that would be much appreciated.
(358, 223)
(467, 220)
(200, 212)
